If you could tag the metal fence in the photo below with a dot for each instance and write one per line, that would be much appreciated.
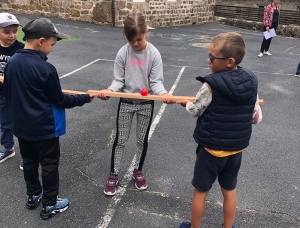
(287, 17)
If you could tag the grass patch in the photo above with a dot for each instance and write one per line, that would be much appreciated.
(21, 35)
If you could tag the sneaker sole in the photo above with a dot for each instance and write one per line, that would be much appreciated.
(54, 212)
(9, 156)
(110, 193)
(142, 188)
(21, 167)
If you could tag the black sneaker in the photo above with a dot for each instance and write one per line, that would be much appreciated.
(6, 154)
(33, 201)
(49, 211)
(297, 75)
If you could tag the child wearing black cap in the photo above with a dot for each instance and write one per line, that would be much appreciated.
(37, 109)
(8, 46)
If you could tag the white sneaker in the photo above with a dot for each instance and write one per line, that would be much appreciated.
(260, 55)
(267, 53)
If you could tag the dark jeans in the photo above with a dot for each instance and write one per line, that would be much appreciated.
(266, 43)
(298, 69)
(46, 153)
(7, 137)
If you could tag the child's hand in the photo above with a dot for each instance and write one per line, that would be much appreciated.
(92, 96)
(183, 102)
(168, 98)
(102, 96)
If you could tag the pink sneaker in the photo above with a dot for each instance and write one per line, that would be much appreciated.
(140, 181)
(111, 185)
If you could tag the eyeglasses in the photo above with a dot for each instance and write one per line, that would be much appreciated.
(212, 58)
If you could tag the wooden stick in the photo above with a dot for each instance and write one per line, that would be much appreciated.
(132, 95)
(139, 96)
(149, 97)
(72, 92)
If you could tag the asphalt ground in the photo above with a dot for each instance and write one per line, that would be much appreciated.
(268, 185)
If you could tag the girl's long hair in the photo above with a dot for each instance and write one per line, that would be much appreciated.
(134, 23)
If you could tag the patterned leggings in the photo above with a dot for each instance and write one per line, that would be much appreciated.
(126, 111)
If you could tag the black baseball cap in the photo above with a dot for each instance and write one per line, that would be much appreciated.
(41, 27)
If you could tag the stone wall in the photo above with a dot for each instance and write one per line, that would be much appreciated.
(285, 30)
(159, 13)
(285, 4)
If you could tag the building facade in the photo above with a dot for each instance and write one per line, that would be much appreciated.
(159, 13)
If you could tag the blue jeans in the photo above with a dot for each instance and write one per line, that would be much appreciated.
(298, 69)
(7, 137)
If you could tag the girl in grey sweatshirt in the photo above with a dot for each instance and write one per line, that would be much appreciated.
(138, 65)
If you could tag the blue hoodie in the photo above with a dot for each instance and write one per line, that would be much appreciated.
(36, 102)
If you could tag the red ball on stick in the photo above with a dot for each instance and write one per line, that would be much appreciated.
(144, 92)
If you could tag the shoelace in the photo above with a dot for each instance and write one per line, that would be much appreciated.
(139, 177)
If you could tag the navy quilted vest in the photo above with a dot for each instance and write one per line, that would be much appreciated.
(227, 122)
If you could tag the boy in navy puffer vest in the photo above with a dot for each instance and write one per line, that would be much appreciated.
(226, 106)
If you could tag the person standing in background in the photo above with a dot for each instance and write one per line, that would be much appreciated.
(271, 19)
(298, 71)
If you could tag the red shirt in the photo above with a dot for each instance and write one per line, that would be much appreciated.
(268, 15)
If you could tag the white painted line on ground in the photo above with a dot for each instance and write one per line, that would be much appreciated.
(74, 71)
(205, 68)
(279, 89)
(110, 211)
(162, 109)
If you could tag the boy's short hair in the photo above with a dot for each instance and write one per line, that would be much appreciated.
(7, 19)
(41, 27)
(231, 45)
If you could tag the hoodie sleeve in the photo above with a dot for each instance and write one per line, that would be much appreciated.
(203, 100)
(58, 98)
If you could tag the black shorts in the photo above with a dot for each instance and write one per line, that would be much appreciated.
(208, 168)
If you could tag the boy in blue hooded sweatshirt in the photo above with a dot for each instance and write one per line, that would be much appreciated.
(226, 106)
(37, 109)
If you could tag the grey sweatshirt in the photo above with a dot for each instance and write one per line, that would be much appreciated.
(134, 70)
